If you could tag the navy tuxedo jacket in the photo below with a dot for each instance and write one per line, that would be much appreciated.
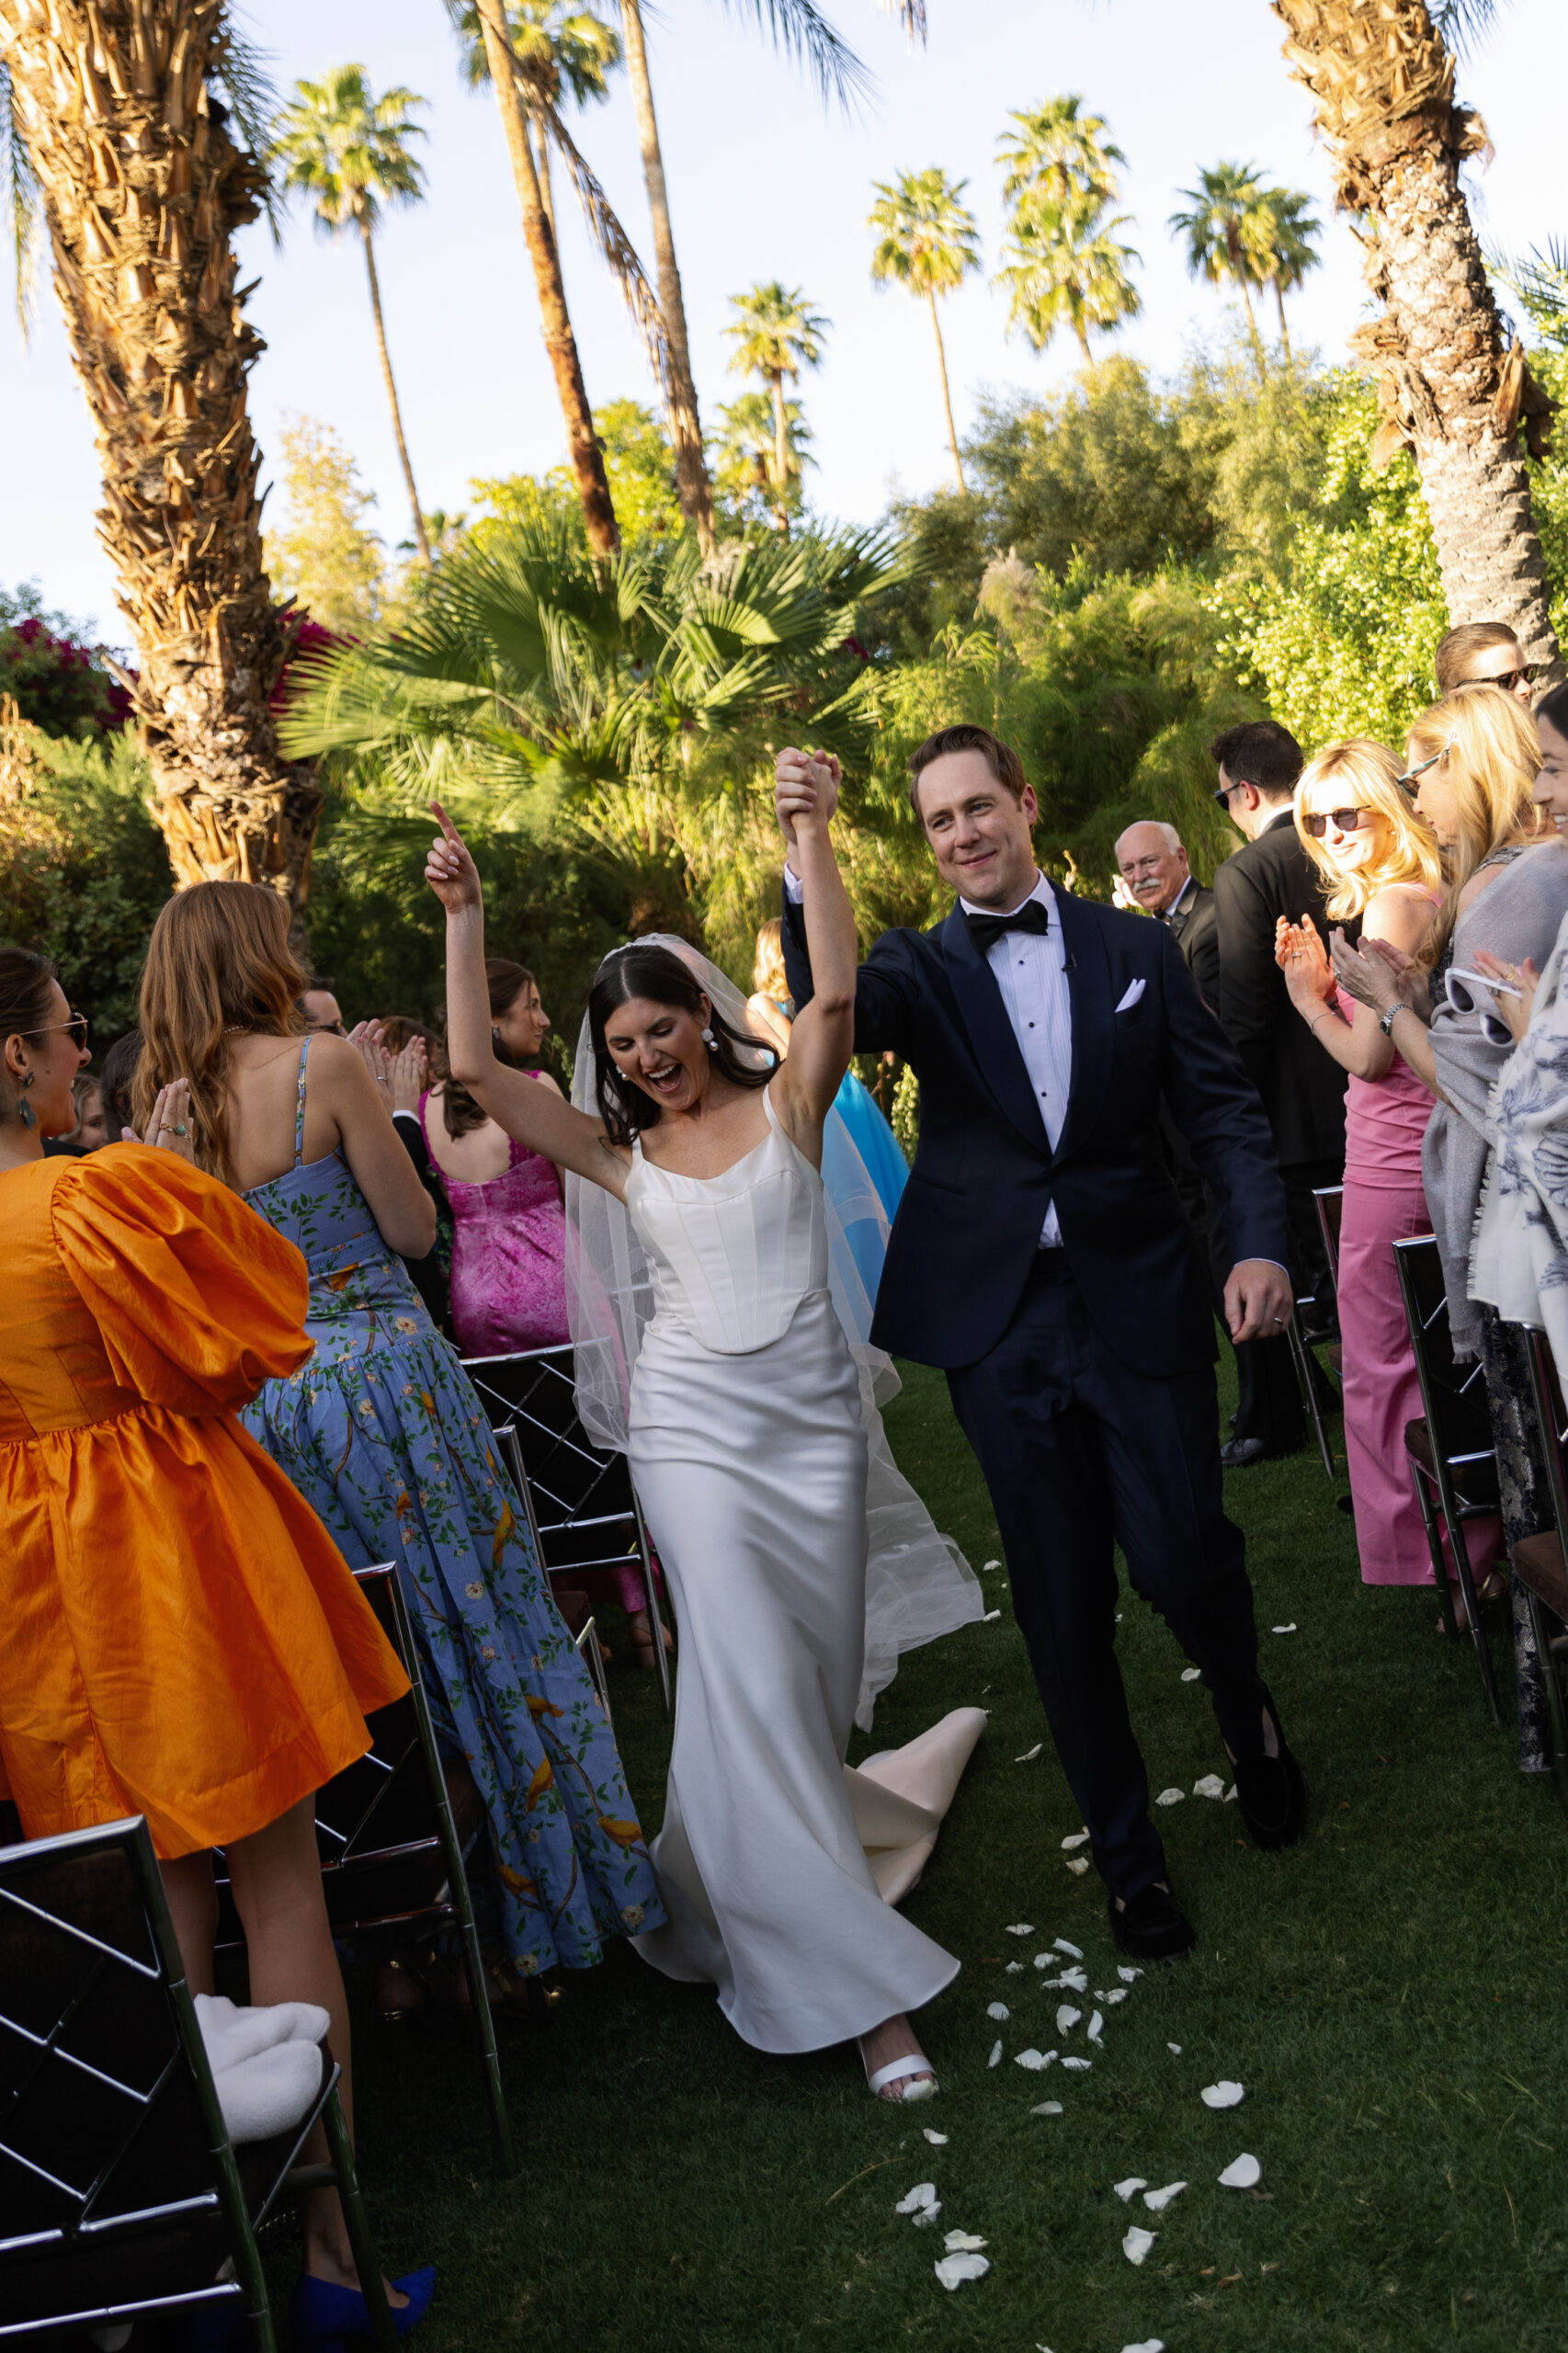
(964, 1240)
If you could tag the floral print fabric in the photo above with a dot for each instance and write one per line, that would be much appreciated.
(382, 1433)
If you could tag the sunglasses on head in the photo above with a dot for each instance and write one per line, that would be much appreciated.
(1347, 821)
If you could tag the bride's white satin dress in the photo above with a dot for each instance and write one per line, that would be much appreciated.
(778, 1867)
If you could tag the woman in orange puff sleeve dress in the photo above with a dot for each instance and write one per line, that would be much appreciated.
(182, 1638)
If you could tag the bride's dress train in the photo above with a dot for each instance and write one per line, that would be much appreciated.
(778, 1866)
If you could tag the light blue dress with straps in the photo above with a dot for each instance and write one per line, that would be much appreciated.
(383, 1434)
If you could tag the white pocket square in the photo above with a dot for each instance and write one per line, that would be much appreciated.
(1134, 990)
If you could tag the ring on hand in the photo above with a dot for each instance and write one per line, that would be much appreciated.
(1280, 1319)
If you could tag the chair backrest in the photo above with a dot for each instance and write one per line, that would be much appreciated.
(580, 1499)
(1551, 1416)
(1329, 1201)
(1453, 1395)
(109, 2122)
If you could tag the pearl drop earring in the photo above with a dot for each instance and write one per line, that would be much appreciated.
(710, 1042)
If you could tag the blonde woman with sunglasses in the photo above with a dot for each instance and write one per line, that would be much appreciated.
(1475, 760)
(1379, 862)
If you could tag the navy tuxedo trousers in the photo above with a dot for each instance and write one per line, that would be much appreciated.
(1081, 1453)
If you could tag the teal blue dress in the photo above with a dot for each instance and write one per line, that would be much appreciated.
(383, 1434)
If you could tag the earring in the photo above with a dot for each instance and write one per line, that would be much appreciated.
(25, 1111)
(710, 1041)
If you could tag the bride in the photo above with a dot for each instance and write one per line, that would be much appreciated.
(750, 1455)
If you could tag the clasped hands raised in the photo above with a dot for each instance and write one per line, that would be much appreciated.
(805, 788)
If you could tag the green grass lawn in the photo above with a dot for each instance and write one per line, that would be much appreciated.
(1393, 1994)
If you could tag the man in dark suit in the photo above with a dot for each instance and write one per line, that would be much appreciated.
(1041, 1257)
(1302, 1087)
(1153, 862)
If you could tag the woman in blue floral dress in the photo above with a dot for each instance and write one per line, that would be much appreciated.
(382, 1430)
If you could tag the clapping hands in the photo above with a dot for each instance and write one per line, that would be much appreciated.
(805, 789)
(1300, 953)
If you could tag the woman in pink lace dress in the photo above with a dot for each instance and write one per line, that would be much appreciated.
(509, 1233)
(1379, 860)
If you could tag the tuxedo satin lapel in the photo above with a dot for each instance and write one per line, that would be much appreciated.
(989, 1031)
(1093, 1018)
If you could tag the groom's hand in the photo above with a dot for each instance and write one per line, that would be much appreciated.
(805, 784)
(1258, 1299)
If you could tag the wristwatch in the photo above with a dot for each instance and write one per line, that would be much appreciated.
(1385, 1020)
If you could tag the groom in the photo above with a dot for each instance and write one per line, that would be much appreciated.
(1041, 1257)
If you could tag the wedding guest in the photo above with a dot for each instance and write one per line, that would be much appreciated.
(1380, 863)
(772, 1010)
(118, 1072)
(1484, 653)
(86, 1132)
(183, 1640)
(400, 1055)
(1302, 1089)
(1476, 760)
(321, 1008)
(1152, 860)
(381, 1431)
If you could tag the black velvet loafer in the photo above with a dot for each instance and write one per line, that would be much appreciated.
(1152, 1925)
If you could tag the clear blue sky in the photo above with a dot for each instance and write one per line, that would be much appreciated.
(764, 183)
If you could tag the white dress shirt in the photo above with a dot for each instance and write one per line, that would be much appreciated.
(1031, 972)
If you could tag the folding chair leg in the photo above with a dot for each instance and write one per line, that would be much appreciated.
(383, 2334)
(1556, 1712)
(1455, 1527)
(1309, 1391)
(1434, 1546)
(656, 1621)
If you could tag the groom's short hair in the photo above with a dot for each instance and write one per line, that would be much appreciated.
(1260, 753)
(1000, 758)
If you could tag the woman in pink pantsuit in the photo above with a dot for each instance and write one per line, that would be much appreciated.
(1380, 861)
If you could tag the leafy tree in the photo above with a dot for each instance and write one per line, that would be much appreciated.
(639, 466)
(322, 554)
(53, 678)
(928, 242)
(1064, 265)
(1226, 231)
(1058, 152)
(349, 150)
(746, 458)
(775, 336)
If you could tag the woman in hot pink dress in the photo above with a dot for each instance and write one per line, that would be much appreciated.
(1380, 861)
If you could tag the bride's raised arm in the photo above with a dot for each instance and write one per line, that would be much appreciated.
(534, 1114)
(823, 1036)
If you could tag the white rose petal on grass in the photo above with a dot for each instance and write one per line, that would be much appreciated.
(1284, 1630)
(1191, 1673)
(1170, 1797)
(1230, 1794)
(1137, 2244)
(1130, 2187)
(1244, 2173)
(1095, 2029)
(1175, 2049)
(1157, 2201)
(1071, 1845)
(1014, 1969)
(924, 2194)
(1029, 1753)
(964, 2243)
(1047, 2108)
(1129, 1975)
(995, 2058)
(1033, 2060)
(1021, 1929)
(990, 1567)
(937, 2140)
(954, 2270)
(997, 2010)
(1083, 2066)
(1222, 2094)
(1210, 1786)
(928, 2215)
(1117, 1993)
(1066, 2018)
(1076, 1951)
(1150, 2345)
(1076, 1979)
(1077, 1865)
(990, 1618)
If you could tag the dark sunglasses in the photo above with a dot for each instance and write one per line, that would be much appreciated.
(77, 1025)
(1223, 793)
(1349, 821)
(1510, 679)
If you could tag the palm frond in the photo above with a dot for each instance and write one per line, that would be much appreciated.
(1465, 24)
(1540, 280)
(799, 29)
(243, 69)
(23, 200)
(618, 252)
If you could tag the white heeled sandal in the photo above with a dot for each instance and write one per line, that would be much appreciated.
(897, 2069)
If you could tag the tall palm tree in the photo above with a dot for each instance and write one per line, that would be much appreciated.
(1058, 152)
(1286, 239)
(1225, 231)
(928, 242)
(585, 457)
(145, 176)
(747, 450)
(1453, 388)
(776, 335)
(1064, 265)
(350, 151)
(561, 52)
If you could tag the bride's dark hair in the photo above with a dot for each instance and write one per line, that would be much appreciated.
(658, 973)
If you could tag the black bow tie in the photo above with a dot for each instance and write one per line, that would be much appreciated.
(986, 931)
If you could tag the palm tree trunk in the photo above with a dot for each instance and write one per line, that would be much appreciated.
(537, 130)
(1284, 330)
(422, 542)
(143, 190)
(1451, 389)
(780, 457)
(947, 397)
(1082, 333)
(582, 442)
(692, 486)
(1238, 271)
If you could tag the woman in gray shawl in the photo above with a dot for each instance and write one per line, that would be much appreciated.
(1477, 759)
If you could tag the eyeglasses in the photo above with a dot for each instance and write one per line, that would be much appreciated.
(1223, 793)
(1407, 781)
(1347, 821)
(78, 1023)
(1509, 680)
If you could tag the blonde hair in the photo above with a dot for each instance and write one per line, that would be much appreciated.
(1486, 744)
(768, 977)
(219, 960)
(1372, 773)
